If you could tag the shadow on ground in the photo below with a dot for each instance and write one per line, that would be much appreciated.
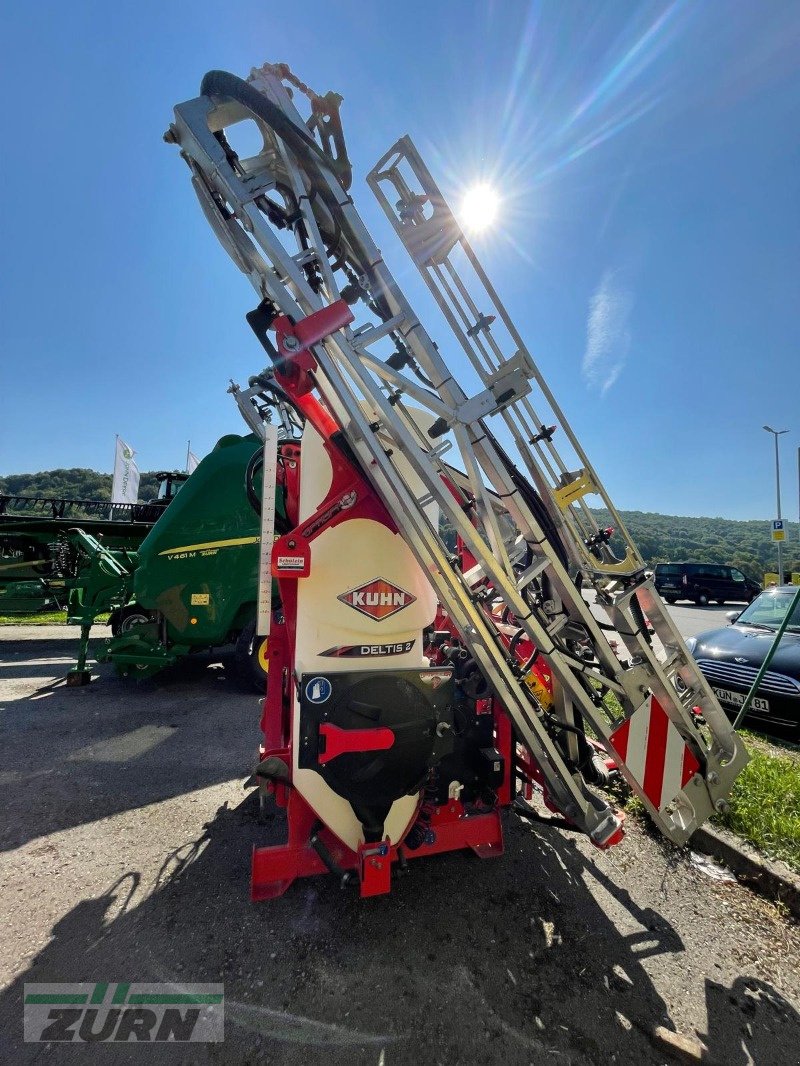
(74, 755)
(510, 961)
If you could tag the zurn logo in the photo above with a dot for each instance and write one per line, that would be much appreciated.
(120, 1012)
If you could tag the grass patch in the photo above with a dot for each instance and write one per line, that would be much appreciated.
(765, 802)
(47, 618)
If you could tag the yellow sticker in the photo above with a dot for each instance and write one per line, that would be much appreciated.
(200, 599)
(539, 689)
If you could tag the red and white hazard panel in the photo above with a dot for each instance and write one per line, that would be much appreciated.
(655, 753)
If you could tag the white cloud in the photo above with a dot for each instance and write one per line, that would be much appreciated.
(608, 337)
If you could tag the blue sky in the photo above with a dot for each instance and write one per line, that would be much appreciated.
(647, 159)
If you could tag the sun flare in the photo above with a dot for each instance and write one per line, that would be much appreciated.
(479, 208)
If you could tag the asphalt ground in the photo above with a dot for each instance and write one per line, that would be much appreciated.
(689, 619)
(692, 620)
(125, 836)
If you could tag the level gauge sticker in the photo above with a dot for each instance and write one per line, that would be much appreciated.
(318, 690)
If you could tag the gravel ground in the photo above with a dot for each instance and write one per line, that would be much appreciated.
(124, 856)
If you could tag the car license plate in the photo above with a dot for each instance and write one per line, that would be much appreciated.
(736, 699)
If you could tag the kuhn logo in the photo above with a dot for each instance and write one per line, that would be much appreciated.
(377, 599)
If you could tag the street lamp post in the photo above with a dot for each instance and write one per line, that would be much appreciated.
(777, 433)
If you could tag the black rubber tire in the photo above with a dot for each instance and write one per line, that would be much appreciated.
(127, 617)
(250, 673)
(721, 603)
(671, 601)
(701, 599)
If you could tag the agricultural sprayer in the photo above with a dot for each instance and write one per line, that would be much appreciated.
(416, 690)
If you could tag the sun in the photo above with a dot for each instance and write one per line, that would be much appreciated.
(479, 207)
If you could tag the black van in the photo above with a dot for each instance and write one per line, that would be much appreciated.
(703, 583)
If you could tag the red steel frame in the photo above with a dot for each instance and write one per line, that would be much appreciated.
(274, 868)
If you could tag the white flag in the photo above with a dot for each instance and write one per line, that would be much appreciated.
(125, 487)
(192, 462)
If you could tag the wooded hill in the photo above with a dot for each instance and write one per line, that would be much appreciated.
(660, 538)
(75, 484)
(673, 538)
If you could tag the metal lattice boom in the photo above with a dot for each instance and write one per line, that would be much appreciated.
(287, 220)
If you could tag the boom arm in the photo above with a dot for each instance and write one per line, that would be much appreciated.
(288, 222)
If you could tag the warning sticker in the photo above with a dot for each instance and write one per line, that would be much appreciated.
(200, 599)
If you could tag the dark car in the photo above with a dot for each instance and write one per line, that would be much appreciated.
(703, 583)
(730, 658)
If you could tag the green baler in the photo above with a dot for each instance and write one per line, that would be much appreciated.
(196, 577)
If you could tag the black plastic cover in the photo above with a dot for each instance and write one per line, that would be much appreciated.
(416, 705)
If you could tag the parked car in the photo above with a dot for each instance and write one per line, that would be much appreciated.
(729, 659)
(704, 583)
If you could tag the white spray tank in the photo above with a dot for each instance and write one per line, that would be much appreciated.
(364, 605)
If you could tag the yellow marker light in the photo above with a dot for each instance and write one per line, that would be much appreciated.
(263, 656)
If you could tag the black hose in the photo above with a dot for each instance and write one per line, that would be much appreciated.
(526, 667)
(282, 525)
(639, 619)
(220, 83)
(532, 498)
(318, 844)
(530, 814)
